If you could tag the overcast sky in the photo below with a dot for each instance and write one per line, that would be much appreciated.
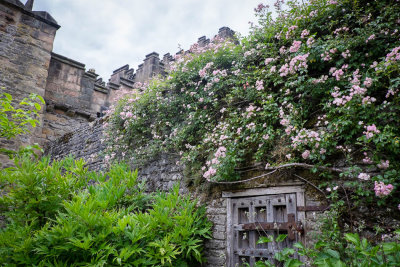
(107, 34)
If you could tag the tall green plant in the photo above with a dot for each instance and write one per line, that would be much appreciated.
(34, 191)
(60, 214)
(19, 120)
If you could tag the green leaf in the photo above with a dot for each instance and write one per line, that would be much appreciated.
(281, 237)
(38, 106)
(41, 99)
(353, 238)
(293, 263)
(391, 247)
(288, 251)
(333, 253)
(8, 96)
(299, 245)
(265, 239)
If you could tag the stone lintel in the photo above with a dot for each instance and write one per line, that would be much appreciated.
(83, 113)
(68, 61)
(60, 106)
(70, 110)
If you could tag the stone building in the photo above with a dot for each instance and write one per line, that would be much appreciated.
(26, 42)
(76, 97)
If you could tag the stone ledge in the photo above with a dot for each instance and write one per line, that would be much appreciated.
(68, 61)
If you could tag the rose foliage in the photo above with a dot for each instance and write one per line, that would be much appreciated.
(315, 82)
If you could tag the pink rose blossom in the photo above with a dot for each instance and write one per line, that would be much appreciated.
(269, 60)
(363, 176)
(382, 190)
(384, 164)
(371, 130)
(368, 82)
(295, 46)
(259, 85)
(306, 154)
(305, 33)
(371, 37)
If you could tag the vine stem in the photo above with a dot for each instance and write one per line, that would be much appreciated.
(306, 166)
(313, 185)
(348, 207)
(288, 165)
(243, 181)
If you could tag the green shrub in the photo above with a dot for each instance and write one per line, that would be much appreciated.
(60, 214)
(16, 121)
(358, 253)
(34, 191)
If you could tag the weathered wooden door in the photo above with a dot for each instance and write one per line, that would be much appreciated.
(253, 217)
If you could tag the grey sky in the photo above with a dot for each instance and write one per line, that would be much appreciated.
(107, 34)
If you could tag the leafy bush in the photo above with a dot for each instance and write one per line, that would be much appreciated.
(61, 214)
(358, 252)
(34, 191)
(15, 121)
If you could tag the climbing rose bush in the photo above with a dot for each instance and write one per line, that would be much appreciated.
(315, 83)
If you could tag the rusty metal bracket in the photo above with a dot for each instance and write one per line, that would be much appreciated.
(291, 226)
(312, 208)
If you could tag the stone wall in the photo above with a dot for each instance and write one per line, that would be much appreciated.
(72, 97)
(84, 142)
(26, 42)
(163, 172)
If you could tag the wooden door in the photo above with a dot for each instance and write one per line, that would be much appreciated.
(253, 217)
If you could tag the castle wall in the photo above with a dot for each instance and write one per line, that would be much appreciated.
(72, 98)
(151, 67)
(26, 42)
(121, 82)
(99, 98)
(64, 81)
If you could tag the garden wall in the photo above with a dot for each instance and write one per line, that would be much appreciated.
(163, 172)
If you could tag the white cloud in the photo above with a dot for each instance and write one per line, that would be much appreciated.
(106, 34)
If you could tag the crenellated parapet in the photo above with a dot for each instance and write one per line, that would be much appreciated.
(153, 66)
